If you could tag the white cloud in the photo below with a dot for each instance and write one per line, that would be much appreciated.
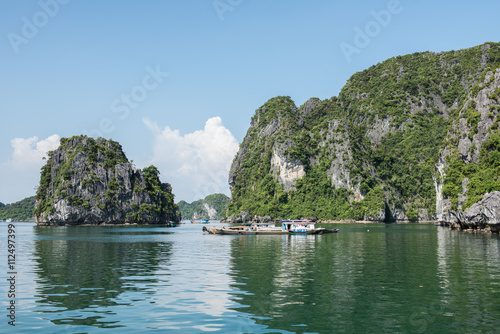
(29, 152)
(20, 173)
(196, 164)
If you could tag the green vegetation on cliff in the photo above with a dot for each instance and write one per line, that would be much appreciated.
(213, 206)
(21, 210)
(374, 152)
(483, 177)
(162, 198)
(103, 153)
(91, 181)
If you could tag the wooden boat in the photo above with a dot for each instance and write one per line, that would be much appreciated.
(256, 228)
(305, 227)
(287, 227)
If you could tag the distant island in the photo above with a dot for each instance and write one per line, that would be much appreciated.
(90, 181)
(211, 207)
(18, 211)
(413, 138)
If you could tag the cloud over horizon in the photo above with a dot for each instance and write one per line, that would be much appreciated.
(29, 152)
(196, 164)
(20, 173)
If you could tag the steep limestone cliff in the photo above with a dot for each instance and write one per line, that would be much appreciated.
(415, 137)
(87, 181)
(468, 160)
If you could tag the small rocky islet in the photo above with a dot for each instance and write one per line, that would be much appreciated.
(90, 181)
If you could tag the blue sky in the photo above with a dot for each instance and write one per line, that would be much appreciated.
(176, 82)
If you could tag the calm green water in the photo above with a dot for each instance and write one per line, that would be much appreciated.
(390, 279)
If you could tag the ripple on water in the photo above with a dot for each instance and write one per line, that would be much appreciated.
(409, 278)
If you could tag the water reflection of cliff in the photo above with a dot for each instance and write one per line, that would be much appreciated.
(469, 272)
(88, 268)
(279, 279)
(350, 282)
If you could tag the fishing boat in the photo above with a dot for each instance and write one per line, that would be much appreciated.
(287, 227)
(305, 227)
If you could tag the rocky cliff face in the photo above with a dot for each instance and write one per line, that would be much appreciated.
(407, 139)
(483, 215)
(87, 181)
(472, 137)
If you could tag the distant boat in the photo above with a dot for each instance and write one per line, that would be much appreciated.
(200, 221)
(9, 220)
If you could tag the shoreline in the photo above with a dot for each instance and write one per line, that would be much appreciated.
(104, 224)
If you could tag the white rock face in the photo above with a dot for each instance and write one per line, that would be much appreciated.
(212, 213)
(438, 185)
(379, 129)
(287, 171)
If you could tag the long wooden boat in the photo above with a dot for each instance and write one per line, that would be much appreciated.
(256, 228)
(287, 227)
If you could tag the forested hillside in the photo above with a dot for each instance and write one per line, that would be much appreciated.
(22, 210)
(211, 207)
(410, 138)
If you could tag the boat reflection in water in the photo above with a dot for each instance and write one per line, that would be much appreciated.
(280, 283)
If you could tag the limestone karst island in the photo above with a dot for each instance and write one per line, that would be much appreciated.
(88, 181)
(413, 138)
